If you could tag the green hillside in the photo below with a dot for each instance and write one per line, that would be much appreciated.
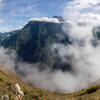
(8, 79)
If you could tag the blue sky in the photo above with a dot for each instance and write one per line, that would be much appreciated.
(15, 13)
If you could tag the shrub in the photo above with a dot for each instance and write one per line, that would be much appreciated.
(36, 96)
(9, 83)
(92, 89)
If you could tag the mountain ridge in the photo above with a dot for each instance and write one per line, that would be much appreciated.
(8, 81)
(32, 43)
(36, 39)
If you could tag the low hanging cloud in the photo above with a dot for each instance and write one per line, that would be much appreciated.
(82, 55)
(45, 19)
(46, 79)
(82, 17)
(8, 58)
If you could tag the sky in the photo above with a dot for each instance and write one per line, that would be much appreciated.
(83, 16)
(16, 13)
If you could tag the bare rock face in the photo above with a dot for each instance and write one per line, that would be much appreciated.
(5, 97)
(18, 90)
(33, 43)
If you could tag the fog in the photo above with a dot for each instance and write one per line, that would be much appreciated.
(82, 17)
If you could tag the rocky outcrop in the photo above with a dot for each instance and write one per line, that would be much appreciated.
(5, 97)
(18, 89)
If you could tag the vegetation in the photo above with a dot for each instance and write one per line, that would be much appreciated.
(8, 81)
(32, 44)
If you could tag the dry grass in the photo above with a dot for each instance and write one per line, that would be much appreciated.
(32, 93)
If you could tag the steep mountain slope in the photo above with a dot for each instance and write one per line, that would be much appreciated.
(33, 43)
(8, 79)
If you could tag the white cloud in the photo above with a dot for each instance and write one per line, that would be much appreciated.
(8, 29)
(81, 54)
(82, 4)
(46, 19)
(78, 8)
(0, 0)
(82, 11)
(1, 3)
(2, 20)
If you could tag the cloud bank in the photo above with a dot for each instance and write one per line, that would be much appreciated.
(81, 54)
(55, 81)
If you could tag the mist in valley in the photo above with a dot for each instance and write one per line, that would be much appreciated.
(82, 54)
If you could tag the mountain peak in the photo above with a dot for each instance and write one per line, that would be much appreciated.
(60, 18)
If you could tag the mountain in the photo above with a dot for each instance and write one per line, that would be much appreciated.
(6, 35)
(8, 80)
(60, 18)
(33, 43)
